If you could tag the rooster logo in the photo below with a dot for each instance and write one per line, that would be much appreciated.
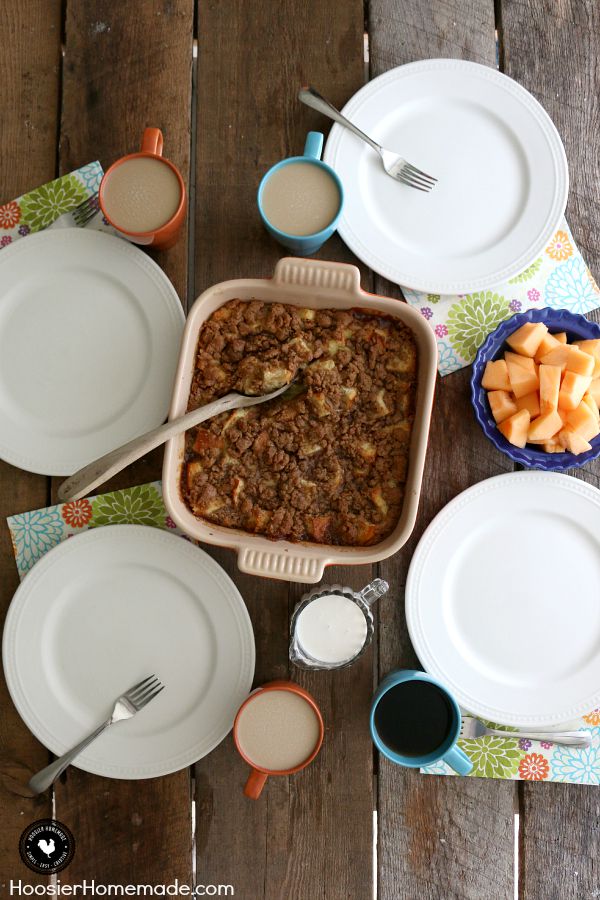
(46, 847)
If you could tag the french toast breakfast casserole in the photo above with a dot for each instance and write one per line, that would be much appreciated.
(327, 461)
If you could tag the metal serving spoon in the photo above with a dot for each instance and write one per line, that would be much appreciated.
(99, 471)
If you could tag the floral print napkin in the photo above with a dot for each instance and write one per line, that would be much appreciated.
(41, 207)
(525, 760)
(559, 278)
(34, 533)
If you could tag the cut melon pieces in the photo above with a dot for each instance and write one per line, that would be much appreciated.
(594, 390)
(583, 421)
(552, 446)
(530, 402)
(573, 441)
(502, 405)
(593, 348)
(522, 380)
(549, 387)
(545, 427)
(524, 361)
(495, 377)
(591, 402)
(548, 343)
(561, 336)
(557, 357)
(579, 362)
(526, 339)
(572, 389)
(515, 429)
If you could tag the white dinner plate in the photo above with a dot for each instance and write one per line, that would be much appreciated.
(501, 165)
(90, 329)
(503, 598)
(107, 608)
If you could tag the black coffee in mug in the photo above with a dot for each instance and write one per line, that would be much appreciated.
(414, 718)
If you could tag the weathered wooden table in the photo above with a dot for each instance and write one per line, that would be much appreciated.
(80, 79)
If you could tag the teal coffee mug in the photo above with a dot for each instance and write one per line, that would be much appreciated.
(415, 722)
(300, 199)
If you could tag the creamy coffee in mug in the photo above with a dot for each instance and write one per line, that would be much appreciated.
(300, 198)
(277, 730)
(141, 194)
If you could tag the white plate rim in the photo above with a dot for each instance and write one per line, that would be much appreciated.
(30, 717)
(415, 629)
(432, 284)
(164, 287)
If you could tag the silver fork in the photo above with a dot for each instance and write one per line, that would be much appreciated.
(126, 706)
(473, 728)
(80, 216)
(394, 165)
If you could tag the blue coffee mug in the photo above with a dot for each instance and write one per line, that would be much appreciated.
(303, 244)
(447, 751)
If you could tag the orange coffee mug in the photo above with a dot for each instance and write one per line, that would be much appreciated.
(160, 190)
(277, 735)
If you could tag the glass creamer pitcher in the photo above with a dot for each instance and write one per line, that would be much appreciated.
(333, 625)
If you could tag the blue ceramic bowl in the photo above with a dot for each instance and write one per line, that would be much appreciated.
(577, 328)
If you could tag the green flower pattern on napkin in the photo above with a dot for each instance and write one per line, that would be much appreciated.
(42, 206)
(141, 505)
(471, 320)
(527, 273)
(493, 757)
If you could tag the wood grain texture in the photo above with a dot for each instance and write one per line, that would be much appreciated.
(127, 66)
(309, 835)
(438, 837)
(553, 49)
(29, 73)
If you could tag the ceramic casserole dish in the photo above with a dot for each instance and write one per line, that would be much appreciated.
(320, 285)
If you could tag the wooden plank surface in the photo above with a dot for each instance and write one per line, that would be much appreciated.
(29, 74)
(559, 823)
(309, 835)
(127, 66)
(438, 837)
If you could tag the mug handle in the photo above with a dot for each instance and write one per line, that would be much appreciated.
(255, 784)
(458, 760)
(152, 141)
(314, 144)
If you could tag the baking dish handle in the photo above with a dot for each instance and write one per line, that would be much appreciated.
(283, 564)
(339, 277)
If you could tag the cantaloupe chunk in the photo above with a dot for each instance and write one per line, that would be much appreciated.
(591, 402)
(572, 389)
(594, 390)
(590, 346)
(545, 427)
(515, 429)
(495, 377)
(549, 387)
(524, 361)
(561, 336)
(502, 405)
(522, 381)
(558, 356)
(552, 446)
(548, 343)
(530, 402)
(526, 339)
(579, 362)
(572, 441)
(583, 421)
(593, 348)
